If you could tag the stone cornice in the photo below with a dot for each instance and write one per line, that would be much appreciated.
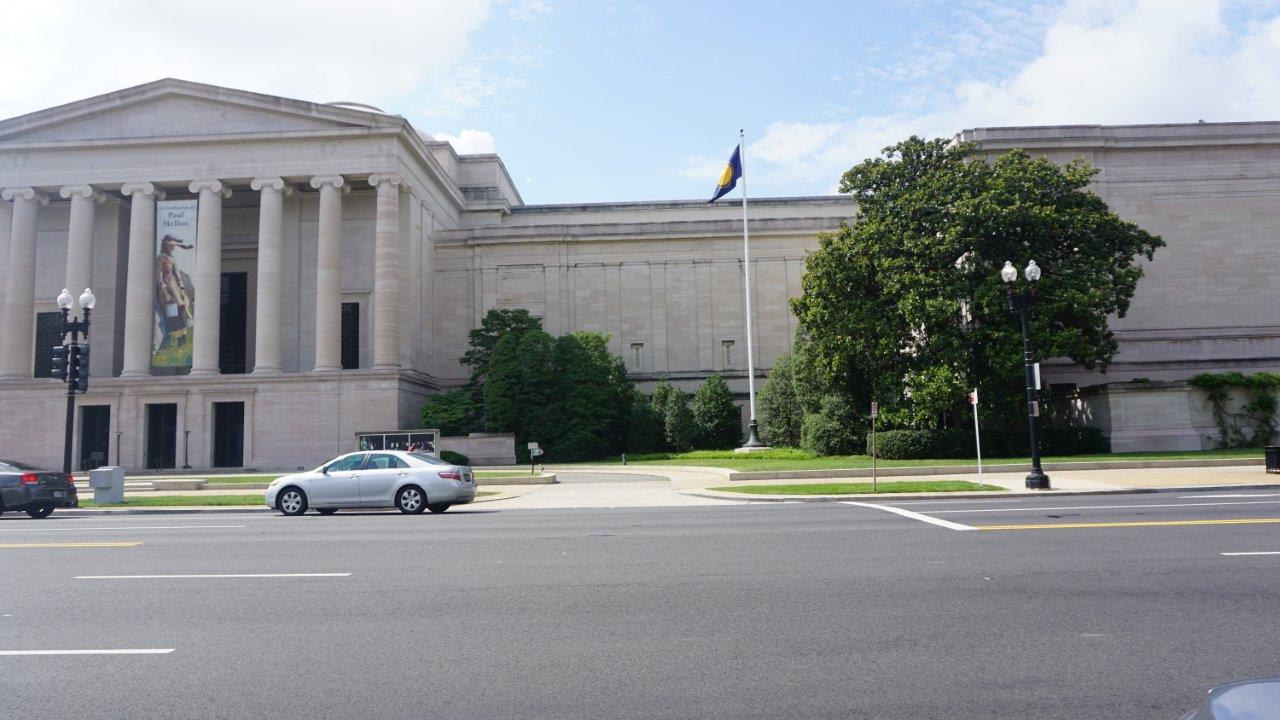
(271, 184)
(622, 232)
(142, 188)
(24, 193)
(214, 186)
(87, 192)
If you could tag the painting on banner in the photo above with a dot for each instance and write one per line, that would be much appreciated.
(175, 294)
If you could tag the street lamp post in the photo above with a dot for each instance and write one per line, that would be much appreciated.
(1022, 302)
(71, 362)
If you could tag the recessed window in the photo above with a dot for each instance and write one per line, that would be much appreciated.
(350, 336)
(637, 356)
(48, 335)
(726, 347)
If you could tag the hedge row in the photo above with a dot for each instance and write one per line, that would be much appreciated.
(957, 443)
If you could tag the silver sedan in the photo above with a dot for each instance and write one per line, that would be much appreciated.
(409, 482)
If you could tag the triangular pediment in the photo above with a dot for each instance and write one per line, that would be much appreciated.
(176, 108)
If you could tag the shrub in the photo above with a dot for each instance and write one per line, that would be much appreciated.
(644, 426)
(678, 427)
(452, 413)
(958, 443)
(833, 430)
(456, 458)
(718, 418)
(779, 413)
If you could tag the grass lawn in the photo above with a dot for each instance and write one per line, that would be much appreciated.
(791, 459)
(181, 500)
(859, 488)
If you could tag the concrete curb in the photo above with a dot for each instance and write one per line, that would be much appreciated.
(970, 495)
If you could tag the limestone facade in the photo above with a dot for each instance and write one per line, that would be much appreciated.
(324, 205)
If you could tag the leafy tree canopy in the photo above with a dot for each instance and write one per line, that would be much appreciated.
(482, 340)
(907, 301)
(718, 419)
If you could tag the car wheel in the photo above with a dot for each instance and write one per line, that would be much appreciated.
(327, 511)
(292, 501)
(42, 511)
(438, 507)
(410, 500)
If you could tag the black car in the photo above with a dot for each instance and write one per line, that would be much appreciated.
(37, 491)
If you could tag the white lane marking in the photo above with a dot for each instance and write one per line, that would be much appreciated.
(119, 527)
(1229, 495)
(121, 651)
(1263, 552)
(1106, 507)
(913, 515)
(204, 576)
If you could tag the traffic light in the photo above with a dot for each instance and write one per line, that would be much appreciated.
(80, 354)
(59, 363)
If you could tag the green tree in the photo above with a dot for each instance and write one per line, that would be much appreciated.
(778, 410)
(591, 404)
(678, 427)
(452, 413)
(717, 417)
(907, 301)
(644, 426)
(539, 395)
(834, 430)
(501, 390)
(482, 341)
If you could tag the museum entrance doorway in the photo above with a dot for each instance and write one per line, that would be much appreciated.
(162, 436)
(228, 434)
(95, 436)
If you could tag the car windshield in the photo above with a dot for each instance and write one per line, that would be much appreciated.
(429, 459)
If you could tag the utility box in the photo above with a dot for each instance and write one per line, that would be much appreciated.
(108, 484)
(1273, 458)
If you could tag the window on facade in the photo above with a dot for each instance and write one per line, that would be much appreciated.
(48, 334)
(726, 346)
(350, 335)
(637, 356)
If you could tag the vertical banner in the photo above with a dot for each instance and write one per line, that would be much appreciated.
(174, 294)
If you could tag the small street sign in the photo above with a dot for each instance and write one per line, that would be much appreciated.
(533, 446)
(875, 408)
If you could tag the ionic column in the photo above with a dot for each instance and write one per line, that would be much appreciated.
(204, 350)
(328, 280)
(20, 288)
(270, 268)
(386, 273)
(6, 227)
(140, 283)
(80, 238)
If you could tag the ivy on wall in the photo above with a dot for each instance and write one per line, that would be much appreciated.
(1255, 424)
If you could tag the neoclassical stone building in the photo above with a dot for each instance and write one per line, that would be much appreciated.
(275, 276)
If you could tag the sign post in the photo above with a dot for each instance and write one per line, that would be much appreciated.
(875, 410)
(977, 439)
(534, 452)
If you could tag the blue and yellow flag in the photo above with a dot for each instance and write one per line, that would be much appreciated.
(729, 178)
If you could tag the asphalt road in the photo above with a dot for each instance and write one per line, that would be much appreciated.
(805, 610)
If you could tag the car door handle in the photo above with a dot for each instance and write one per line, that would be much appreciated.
(402, 474)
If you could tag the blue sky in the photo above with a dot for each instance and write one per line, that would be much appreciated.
(600, 101)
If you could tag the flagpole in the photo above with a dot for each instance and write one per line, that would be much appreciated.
(753, 440)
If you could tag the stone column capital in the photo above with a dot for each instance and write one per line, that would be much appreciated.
(141, 188)
(271, 184)
(88, 192)
(336, 181)
(24, 193)
(213, 186)
(389, 179)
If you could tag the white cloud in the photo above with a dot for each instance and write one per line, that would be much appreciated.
(1140, 61)
(525, 10)
(469, 142)
(320, 50)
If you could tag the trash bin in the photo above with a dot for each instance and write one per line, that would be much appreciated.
(108, 484)
(1273, 458)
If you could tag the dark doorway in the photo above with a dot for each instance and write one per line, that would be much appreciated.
(233, 327)
(95, 436)
(162, 436)
(228, 434)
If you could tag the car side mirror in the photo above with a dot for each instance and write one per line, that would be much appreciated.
(324, 470)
